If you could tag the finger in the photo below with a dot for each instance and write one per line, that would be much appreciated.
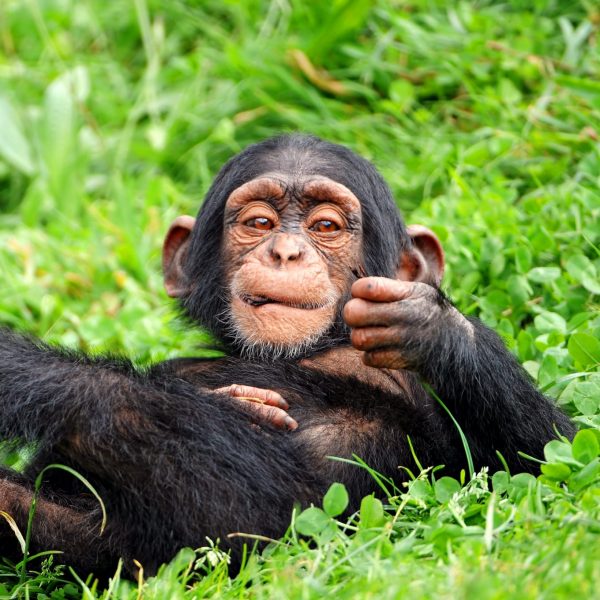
(254, 394)
(271, 414)
(381, 289)
(385, 359)
(362, 313)
(371, 338)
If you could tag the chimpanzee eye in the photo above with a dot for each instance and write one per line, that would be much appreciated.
(325, 226)
(261, 223)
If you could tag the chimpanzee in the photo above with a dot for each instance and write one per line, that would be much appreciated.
(336, 329)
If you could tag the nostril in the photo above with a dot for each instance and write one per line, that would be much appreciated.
(285, 249)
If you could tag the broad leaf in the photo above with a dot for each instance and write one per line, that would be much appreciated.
(585, 446)
(585, 349)
(312, 521)
(445, 488)
(371, 512)
(335, 500)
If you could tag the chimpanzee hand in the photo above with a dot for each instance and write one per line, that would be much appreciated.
(399, 324)
(266, 406)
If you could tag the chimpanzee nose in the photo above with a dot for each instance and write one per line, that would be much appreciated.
(285, 248)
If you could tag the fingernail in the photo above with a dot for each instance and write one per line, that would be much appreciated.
(290, 423)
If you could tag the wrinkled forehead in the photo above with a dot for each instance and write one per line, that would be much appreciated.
(283, 186)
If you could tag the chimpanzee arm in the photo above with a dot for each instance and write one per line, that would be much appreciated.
(103, 410)
(172, 464)
(53, 396)
(47, 392)
(492, 397)
(411, 325)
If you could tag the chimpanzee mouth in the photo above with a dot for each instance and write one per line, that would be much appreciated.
(257, 301)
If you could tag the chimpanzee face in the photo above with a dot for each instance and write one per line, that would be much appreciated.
(290, 246)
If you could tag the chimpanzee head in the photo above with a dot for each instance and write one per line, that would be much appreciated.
(286, 228)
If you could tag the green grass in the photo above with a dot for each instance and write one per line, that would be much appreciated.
(484, 117)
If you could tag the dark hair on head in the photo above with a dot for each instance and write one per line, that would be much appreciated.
(384, 232)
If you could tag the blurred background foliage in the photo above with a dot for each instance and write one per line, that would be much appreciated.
(483, 116)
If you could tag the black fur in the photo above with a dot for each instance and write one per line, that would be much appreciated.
(175, 463)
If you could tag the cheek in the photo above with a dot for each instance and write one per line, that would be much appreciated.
(345, 267)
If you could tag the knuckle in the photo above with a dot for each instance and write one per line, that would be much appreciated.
(425, 292)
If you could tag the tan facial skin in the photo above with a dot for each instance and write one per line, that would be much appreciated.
(290, 247)
(289, 252)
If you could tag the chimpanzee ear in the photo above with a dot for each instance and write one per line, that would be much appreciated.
(175, 249)
(425, 260)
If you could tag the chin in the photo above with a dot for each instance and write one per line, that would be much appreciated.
(276, 330)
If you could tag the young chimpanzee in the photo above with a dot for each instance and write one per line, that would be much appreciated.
(330, 308)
